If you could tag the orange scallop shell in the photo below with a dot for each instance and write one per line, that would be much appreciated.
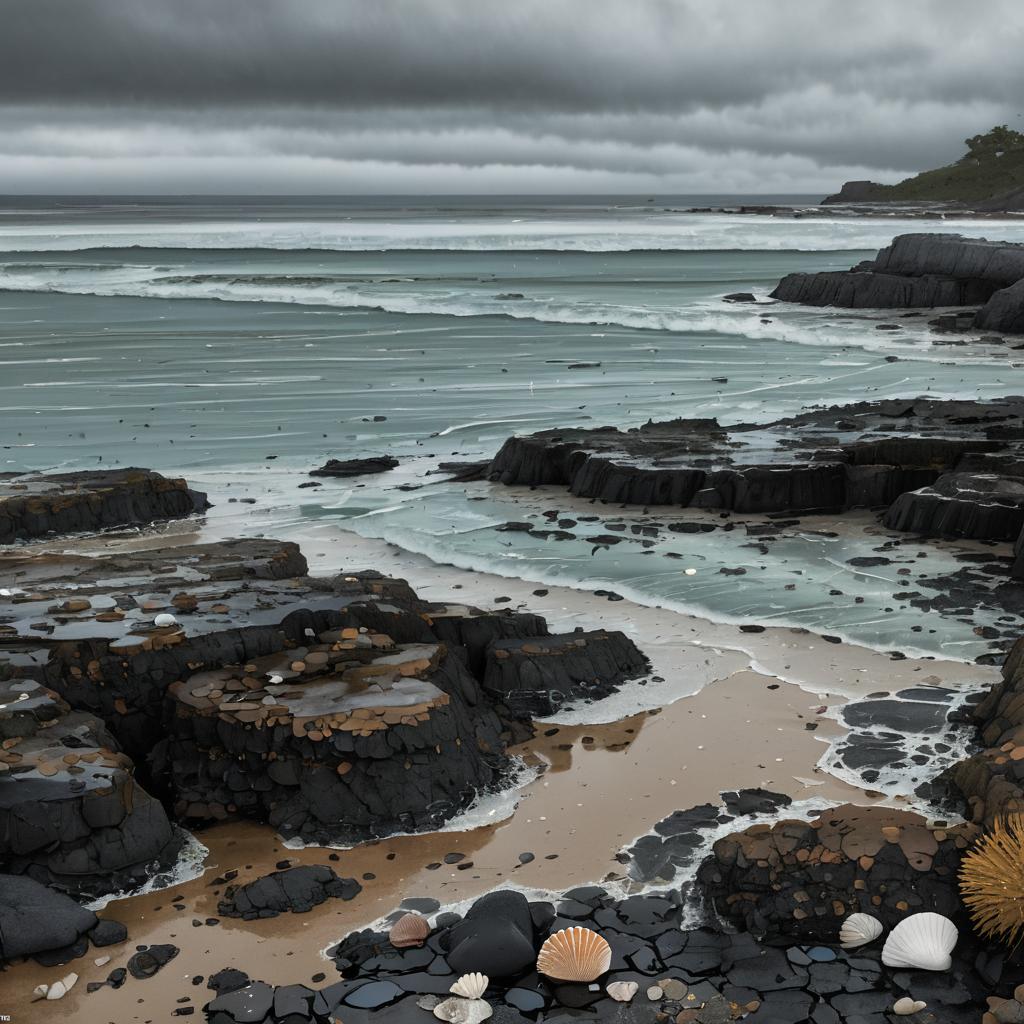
(574, 954)
(409, 930)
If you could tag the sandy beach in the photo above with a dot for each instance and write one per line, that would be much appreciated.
(735, 710)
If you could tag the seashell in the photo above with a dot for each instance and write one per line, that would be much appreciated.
(923, 941)
(409, 930)
(906, 1006)
(574, 954)
(463, 1011)
(165, 619)
(61, 988)
(859, 930)
(472, 986)
(622, 991)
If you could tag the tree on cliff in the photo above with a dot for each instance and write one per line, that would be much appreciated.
(996, 141)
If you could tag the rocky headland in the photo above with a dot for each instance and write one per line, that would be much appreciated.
(989, 177)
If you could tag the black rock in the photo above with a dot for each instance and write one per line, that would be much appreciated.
(36, 919)
(356, 467)
(495, 937)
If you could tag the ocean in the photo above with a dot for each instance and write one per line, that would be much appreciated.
(242, 342)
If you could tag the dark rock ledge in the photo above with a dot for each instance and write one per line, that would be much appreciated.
(923, 271)
(37, 504)
(936, 468)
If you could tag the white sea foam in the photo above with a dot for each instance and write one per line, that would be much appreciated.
(609, 233)
(190, 864)
(486, 809)
(764, 321)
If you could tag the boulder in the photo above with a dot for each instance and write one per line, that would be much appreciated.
(35, 918)
(495, 937)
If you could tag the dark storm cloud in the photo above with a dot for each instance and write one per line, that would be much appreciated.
(664, 95)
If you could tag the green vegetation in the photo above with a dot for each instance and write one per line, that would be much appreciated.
(992, 167)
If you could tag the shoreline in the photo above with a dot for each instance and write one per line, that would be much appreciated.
(633, 762)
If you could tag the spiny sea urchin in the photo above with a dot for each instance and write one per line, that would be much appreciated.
(992, 881)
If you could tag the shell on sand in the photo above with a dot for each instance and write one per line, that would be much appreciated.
(859, 930)
(472, 985)
(409, 930)
(622, 991)
(922, 941)
(906, 1006)
(574, 954)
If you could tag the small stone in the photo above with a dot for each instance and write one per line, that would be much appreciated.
(673, 989)
(622, 991)
(906, 1006)
(654, 993)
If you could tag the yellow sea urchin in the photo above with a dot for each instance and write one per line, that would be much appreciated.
(992, 881)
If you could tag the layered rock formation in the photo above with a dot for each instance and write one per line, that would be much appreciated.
(333, 708)
(991, 781)
(924, 271)
(938, 468)
(71, 811)
(37, 504)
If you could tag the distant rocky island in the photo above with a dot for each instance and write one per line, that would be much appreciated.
(989, 177)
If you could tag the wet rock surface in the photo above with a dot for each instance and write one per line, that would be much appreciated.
(683, 972)
(37, 504)
(356, 467)
(925, 270)
(992, 779)
(801, 878)
(294, 890)
(35, 918)
(332, 708)
(71, 811)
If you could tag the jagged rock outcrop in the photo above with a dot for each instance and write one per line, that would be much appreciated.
(992, 780)
(537, 677)
(940, 468)
(71, 812)
(925, 270)
(333, 708)
(37, 504)
(800, 879)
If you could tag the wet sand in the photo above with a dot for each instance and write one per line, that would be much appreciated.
(732, 712)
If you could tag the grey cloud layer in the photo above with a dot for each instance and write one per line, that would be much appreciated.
(639, 92)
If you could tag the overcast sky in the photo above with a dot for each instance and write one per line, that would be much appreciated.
(426, 96)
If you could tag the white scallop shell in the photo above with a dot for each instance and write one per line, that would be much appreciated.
(622, 991)
(574, 954)
(859, 930)
(472, 986)
(906, 1006)
(165, 619)
(923, 941)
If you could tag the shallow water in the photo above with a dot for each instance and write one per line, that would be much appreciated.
(243, 344)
